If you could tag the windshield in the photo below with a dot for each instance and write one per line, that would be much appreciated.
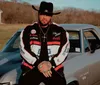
(13, 44)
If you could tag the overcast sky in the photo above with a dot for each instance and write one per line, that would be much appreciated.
(83, 4)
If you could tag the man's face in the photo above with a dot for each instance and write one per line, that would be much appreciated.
(44, 19)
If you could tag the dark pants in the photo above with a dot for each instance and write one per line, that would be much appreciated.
(34, 77)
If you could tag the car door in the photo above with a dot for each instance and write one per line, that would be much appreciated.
(76, 65)
(93, 55)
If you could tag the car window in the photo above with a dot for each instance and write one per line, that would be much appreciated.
(74, 39)
(86, 45)
(16, 43)
(13, 43)
(93, 40)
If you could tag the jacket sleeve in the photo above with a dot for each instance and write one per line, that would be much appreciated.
(63, 51)
(25, 50)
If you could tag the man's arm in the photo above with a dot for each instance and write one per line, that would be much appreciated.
(59, 58)
(25, 50)
(62, 54)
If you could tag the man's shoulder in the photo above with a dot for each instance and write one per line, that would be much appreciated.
(34, 24)
(57, 26)
(31, 26)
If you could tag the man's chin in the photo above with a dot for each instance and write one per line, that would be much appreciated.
(44, 24)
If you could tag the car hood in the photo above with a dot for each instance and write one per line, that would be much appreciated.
(11, 76)
(9, 61)
(6, 54)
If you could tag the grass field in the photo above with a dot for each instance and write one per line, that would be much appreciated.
(7, 30)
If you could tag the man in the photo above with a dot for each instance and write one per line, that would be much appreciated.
(44, 47)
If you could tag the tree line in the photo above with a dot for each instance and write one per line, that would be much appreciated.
(23, 13)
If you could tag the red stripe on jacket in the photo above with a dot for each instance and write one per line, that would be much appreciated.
(58, 67)
(27, 65)
(31, 67)
(53, 42)
(34, 42)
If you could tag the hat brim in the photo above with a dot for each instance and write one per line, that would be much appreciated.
(46, 13)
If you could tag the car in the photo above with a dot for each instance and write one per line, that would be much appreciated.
(82, 64)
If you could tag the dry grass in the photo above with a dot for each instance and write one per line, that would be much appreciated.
(7, 30)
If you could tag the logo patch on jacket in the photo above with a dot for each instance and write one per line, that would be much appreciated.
(56, 38)
(56, 34)
(33, 31)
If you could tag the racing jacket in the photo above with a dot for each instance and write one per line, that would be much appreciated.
(57, 45)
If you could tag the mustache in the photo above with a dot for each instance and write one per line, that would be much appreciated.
(44, 24)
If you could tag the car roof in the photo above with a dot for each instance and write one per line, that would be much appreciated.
(77, 26)
(73, 27)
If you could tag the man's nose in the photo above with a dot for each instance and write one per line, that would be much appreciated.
(44, 17)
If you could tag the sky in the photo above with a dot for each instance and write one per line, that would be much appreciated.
(82, 4)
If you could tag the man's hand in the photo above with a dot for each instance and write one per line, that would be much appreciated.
(45, 68)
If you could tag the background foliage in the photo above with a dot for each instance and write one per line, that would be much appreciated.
(23, 13)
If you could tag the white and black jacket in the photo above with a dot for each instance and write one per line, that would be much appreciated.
(57, 43)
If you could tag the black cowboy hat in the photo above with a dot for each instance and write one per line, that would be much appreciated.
(46, 8)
